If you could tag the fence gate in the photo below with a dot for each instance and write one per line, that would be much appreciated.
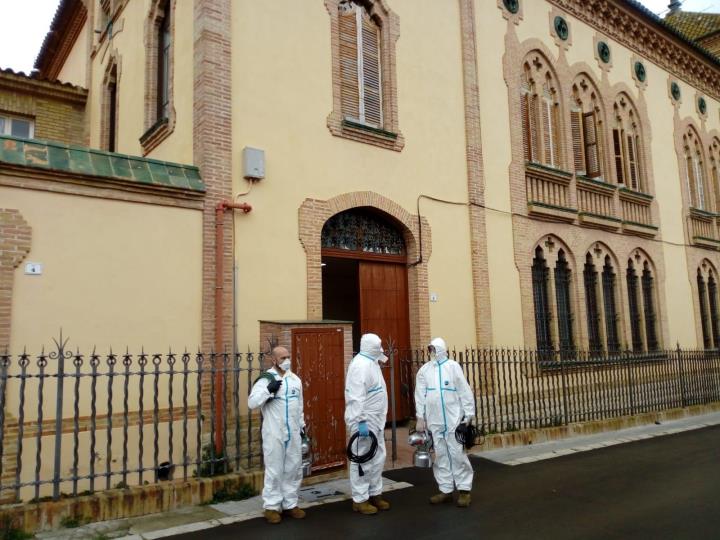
(318, 355)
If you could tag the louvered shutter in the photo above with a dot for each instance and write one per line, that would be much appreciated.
(372, 93)
(590, 137)
(547, 136)
(535, 136)
(691, 180)
(632, 163)
(555, 131)
(349, 87)
(527, 135)
(617, 151)
(577, 141)
(699, 178)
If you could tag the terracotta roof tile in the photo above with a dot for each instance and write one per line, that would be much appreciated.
(694, 25)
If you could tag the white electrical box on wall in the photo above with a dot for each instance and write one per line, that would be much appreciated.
(33, 269)
(253, 163)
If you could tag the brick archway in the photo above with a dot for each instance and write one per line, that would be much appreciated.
(312, 215)
(15, 236)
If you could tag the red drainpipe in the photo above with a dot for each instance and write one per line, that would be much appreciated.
(220, 210)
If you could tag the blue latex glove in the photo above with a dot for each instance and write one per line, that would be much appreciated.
(363, 429)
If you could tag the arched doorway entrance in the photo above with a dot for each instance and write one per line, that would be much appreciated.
(365, 280)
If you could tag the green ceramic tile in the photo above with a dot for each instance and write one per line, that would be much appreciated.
(178, 180)
(80, 162)
(120, 166)
(36, 155)
(101, 164)
(58, 158)
(140, 171)
(193, 176)
(12, 152)
(159, 173)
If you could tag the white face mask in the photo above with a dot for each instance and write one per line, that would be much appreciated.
(285, 364)
(383, 359)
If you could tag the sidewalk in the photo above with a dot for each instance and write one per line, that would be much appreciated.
(191, 519)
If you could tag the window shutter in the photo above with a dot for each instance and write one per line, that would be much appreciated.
(527, 131)
(555, 119)
(691, 180)
(349, 87)
(577, 141)
(700, 183)
(590, 136)
(372, 95)
(638, 164)
(617, 150)
(632, 163)
(535, 136)
(547, 136)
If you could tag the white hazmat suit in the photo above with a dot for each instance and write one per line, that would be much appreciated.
(442, 399)
(366, 400)
(283, 420)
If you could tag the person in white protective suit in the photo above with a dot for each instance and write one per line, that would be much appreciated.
(366, 405)
(443, 400)
(278, 393)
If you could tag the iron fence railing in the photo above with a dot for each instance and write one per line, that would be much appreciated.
(522, 389)
(73, 423)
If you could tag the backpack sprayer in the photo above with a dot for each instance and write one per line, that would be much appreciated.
(307, 457)
(423, 443)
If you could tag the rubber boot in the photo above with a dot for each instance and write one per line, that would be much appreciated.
(380, 503)
(364, 508)
(441, 497)
(273, 517)
(295, 513)
(463, 499)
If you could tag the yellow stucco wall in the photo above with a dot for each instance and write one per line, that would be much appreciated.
(75, 68)
(114, 274)
(283, 95)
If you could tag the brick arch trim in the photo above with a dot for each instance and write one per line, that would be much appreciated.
(15, 236)
(312, 215)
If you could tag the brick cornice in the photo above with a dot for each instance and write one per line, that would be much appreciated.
(648, 40)
(26, 85)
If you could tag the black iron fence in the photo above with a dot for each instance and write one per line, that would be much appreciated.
(73, 423)
(521, 389)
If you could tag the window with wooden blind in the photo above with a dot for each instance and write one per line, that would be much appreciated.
(540, 112)
(703, 305)
(563, 278)
(633, 306)
(364, 93)
(360, 66)
(695, 170)
(590, 277)
(610, 304)
(586, 126)
(627, 146)
(649, 314)
(540, 275)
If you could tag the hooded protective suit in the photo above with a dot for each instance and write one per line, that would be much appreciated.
(283, 420)
(443, 398)
(366, 400)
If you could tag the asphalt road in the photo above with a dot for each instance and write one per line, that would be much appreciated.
(666, 487)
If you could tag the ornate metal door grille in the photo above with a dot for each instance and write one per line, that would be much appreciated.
(562, 297)
(591, 303)
(632, 285)
(540, 274)
(702, 297)
(611, 316)
(649, 308)
(363, 231)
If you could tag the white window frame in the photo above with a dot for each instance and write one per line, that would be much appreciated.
(8, 120)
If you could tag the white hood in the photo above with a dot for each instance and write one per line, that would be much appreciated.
(440, 348)
(371, 345)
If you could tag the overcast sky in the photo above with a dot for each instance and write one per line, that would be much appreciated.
(24, 23)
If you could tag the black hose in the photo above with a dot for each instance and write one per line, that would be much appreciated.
(465, 434)
(367, 456)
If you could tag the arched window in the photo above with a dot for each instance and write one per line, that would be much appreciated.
(540, 110)
(633, 300)
(708, 305)
(587, 127)
(702, 302)
(610, 304)
(695, 170)
(563, 277)
(627, 145)
(540, 275)
(360, 75)
(648, 291)
(109, 118)
(361, 230)
(591, 303)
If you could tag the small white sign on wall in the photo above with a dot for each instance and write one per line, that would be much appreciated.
(33, 269)
(433, 297)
